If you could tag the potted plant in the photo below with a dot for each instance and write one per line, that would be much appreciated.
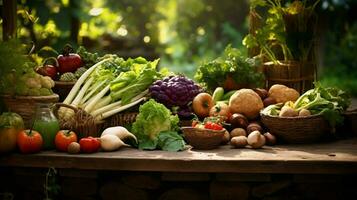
(232, 70)
(286, 40)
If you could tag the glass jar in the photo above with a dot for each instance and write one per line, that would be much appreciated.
(46, 123)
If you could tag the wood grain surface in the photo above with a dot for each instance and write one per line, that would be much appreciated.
(326, 158)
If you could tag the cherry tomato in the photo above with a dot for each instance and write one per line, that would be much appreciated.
(29, 141)
(217, 127)
(89, 145)
(208, 125)
(64, 138)
(213, 126)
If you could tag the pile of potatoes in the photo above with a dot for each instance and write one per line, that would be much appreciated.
(246, 105)
(245, 133)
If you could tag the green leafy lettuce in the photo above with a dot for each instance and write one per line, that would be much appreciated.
(155, 127)
(328, 101)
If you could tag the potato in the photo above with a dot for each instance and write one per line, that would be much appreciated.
(73, 148)
(256, 140)
(239, 121)
(269, 101)
(239, 141)
(282, 93)
(263, 93)
(270, 139)
(254, 126)
(226, 137)
(287, 111)
(238, 132)
(246, 102)
(304, 112)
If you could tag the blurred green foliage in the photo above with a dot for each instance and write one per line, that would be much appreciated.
(183, 33)
(339, 65)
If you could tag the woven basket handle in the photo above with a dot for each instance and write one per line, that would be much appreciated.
(58, 105)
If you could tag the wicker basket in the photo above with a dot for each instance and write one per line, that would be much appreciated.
(62, 88)
(85, 125)
(26, 105)
(82, 123)
(121, 119)
(297, 75)
(297, 129)
(203, 138)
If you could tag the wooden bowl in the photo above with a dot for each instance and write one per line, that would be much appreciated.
(200, 138)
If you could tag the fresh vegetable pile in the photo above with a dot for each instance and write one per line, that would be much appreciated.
(111, 86)
(329, 102)
(225, 101)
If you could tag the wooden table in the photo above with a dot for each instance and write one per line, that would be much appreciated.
(328, 158)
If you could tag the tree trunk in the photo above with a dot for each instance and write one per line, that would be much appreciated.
(75, 23)
(9, 19)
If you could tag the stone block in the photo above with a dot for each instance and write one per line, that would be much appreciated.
(116, 190)
(176, 176)
(79, 198)
(229, 190)
(79, 186)
(243, 177)
(78, 173)
(270, 188)
(184, 194)
(142, 180)
(316, 178)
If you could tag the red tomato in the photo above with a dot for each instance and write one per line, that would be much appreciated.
(69, 63)
(64, 138)
(29, 141)
(213, 126)
(89, 145)
(217, 127)
(208, 125)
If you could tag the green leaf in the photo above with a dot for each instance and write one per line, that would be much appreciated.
(256, 3)
(148, 144)
(170, 141)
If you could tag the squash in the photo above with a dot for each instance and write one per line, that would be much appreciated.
(10, 125)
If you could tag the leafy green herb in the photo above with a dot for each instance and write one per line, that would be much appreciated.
(286, 28)
(243, 70)
(88, 58)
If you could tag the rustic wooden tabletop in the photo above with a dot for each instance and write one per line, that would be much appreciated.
(324, 158)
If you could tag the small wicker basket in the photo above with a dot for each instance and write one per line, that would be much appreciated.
(306, 129)
(85, 125)
(203, 138)
(25, 106)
